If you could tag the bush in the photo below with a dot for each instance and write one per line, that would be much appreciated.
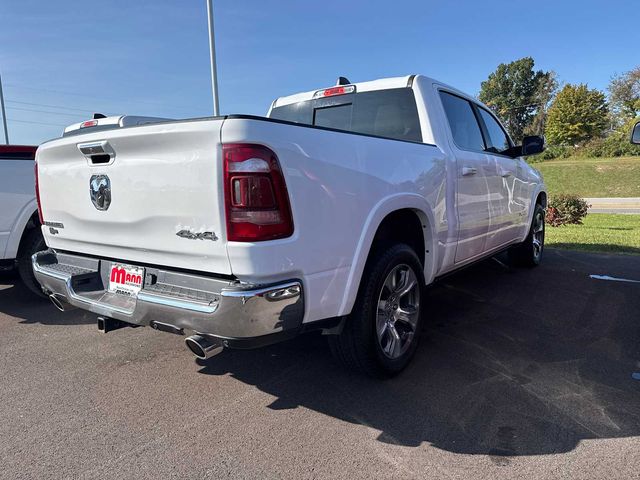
(551, 153)
(617, 144)
(592, 149)
(565, 210)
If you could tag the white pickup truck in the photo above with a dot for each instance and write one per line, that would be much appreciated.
(333, 213)
(20, 235)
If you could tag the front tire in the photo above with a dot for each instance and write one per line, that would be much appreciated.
(529, 252)
(381, 334)
(32, 242)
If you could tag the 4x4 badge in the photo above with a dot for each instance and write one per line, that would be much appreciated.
(197, 235)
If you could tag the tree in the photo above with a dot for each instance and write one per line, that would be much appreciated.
(576, 115)
(517, 93)
(547, 88)
(624, 94)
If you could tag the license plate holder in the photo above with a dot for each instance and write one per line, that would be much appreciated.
(125, 279)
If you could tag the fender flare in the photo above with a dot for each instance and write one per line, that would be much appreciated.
(534, 197)
(378, 213)
(13, 244)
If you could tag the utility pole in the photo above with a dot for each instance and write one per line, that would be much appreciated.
(212, 51)
(4, 115)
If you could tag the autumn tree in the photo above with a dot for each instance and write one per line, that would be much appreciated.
(576, 115)
(624, 94)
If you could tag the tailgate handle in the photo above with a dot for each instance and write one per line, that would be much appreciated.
(98, 153)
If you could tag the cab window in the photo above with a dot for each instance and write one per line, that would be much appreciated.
(497, 140)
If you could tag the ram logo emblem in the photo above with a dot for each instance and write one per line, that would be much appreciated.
(100, 191)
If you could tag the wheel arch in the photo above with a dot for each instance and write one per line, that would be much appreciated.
(384, 218)
(542, 199)
(26, 220)
(539, 196)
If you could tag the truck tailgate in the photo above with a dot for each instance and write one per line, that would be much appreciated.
(164, 179)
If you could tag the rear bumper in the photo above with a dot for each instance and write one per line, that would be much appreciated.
(222, 308)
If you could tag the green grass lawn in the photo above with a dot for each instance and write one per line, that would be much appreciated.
(600, 232)
(593, 177)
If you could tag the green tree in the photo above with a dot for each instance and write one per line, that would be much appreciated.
(518, 94)
(624, 94)
(576, 115)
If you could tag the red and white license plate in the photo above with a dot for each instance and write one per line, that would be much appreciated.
(125, 279)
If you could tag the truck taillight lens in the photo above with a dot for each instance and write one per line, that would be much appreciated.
(38, 195)
(256, 199)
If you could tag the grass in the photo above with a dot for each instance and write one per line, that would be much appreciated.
(600, 232)
(593, 177)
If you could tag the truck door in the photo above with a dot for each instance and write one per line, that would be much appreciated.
(505, 204)
(473, 166)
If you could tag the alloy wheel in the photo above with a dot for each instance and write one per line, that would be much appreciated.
(398, 311)
(538, 234)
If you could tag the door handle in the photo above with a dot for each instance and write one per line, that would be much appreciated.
(466, 171)
(505, 173)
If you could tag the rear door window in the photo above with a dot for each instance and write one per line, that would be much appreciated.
(462, 122)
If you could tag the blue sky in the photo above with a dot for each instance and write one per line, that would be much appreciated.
(70, 58)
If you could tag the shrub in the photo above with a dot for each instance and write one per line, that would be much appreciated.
(618, 144)
(565, 210)
(551, 153)
(592, 148)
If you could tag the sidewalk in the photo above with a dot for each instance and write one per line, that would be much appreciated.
(630, 205)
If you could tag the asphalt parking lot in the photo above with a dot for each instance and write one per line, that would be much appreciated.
(525, 373)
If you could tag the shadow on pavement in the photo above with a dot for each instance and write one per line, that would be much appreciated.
(18, 302)
(511, 363)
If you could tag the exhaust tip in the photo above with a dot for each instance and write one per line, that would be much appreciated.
(56, 302)
(203, 347)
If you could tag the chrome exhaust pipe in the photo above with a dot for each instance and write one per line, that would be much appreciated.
(60, 302)
(204, 347)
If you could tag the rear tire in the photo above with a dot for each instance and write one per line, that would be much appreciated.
(529, 252)
(31, 243)
(381, 334)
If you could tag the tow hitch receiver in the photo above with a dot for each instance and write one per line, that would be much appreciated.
(107, 324)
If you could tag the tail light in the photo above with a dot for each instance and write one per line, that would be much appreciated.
(256, 199)
(38, 195)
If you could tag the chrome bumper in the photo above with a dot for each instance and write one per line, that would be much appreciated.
(209, 306)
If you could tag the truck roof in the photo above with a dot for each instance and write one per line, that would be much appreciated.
(380, 84)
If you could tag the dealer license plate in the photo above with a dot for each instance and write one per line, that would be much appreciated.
(125, 279)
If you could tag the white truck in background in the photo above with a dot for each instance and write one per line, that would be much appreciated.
(20, 235)
(333, 212)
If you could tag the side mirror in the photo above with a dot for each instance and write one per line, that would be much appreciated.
(532, 144)
(635, 134)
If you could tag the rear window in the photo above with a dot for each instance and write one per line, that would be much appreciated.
(338, 117)
(383, 113)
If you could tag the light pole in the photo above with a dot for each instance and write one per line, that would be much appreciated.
(212, 51)
(4, 115)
